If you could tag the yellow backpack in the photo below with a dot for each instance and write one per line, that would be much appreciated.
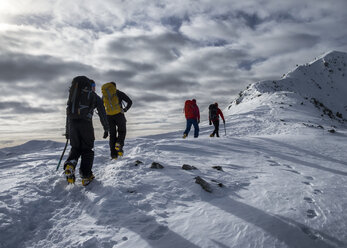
(110, 98)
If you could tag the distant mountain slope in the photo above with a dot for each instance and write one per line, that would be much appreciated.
(312, 95)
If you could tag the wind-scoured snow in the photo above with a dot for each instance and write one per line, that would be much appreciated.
(282, 179)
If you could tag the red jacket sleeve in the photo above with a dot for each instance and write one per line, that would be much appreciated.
(221, 114)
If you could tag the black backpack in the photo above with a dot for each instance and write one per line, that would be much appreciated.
(213, 112)
(80, 104)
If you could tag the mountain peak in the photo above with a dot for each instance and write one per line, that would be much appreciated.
(319, 85)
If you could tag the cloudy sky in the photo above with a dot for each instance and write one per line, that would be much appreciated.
(160, 53)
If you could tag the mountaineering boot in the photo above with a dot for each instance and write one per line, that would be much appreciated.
(184, 136)
(87, 180)
(211, 135)
(119, 150)
(114, 156)
(70, 173)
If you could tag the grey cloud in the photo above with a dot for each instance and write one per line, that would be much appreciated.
(304, 40)
(221, 62)
(120, 74)
(174, 22)
(286, 43)
(247, 64)
(170, 82)
(132, 65)
(23, 67)
(163, 47)
(40, 21)
(148, 98)
(22, 108)
(47, 76)
(250, 20)
(142, 67)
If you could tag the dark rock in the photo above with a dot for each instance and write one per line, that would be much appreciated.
(332, 131)
(205, 185)
(156, 165)
(217, 167)
(188, 167)
(138, 162)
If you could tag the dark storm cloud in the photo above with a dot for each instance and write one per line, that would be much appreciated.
(22, 108)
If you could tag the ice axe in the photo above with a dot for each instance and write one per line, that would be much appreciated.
(62, 155)
(225, 129)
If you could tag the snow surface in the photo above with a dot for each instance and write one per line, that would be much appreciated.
(283, 178)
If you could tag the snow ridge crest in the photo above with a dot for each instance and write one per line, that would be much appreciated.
(324, 79)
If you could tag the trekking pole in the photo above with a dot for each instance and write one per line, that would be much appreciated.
(225, 129)
(62, 155)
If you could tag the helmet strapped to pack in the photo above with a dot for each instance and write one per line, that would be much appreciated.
(81, 100)
(110, 98)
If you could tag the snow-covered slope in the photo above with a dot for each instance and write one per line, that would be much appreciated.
(276, 179)
(312, 95)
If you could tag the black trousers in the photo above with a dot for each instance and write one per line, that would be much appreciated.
(118, 130)
(82, 144)
(216, 127)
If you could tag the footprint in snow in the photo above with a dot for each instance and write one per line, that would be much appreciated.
(308, 199)
(308, 183)
(309, 178)
(294, 171)
(311, 213)
(288, 166)
(317, 191)
(273, 163)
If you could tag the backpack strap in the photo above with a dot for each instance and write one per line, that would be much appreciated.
(109, 96)
(74, 98)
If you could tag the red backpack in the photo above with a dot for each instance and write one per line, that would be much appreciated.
(189, 109)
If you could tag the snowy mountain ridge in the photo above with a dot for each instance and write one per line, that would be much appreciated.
(317, 90)
(275, 178)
